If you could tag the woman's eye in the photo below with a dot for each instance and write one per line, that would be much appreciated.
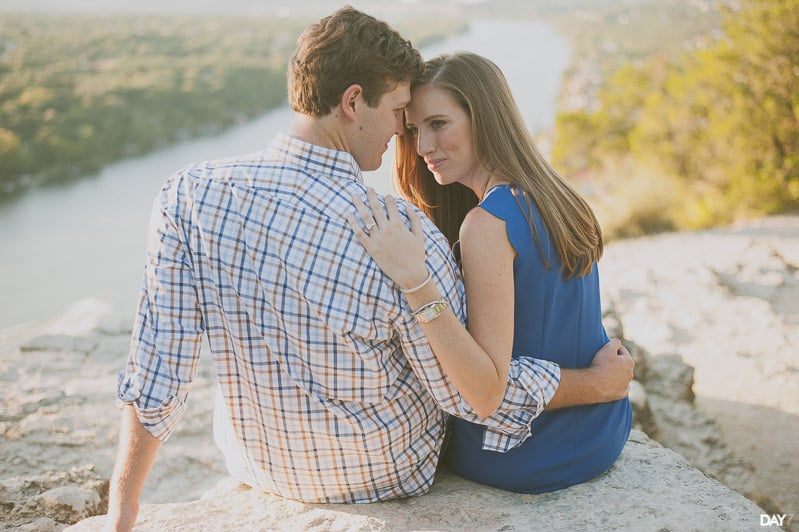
(412, 130)
(437, 124)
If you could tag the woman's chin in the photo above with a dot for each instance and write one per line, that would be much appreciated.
(441, 180)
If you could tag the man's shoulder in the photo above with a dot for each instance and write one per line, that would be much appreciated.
(184, 185)
(221, 168)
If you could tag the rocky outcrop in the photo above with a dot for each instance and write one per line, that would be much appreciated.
(48, 501)
(58, 414)
(649, 488)
(716, 314)
(58, 429)
(662, 396)
(58, 423)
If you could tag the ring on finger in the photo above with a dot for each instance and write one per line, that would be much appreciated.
(370, 226)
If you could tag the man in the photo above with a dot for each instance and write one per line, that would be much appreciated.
(328, 390)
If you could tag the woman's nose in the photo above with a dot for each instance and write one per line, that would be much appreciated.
(423, 143)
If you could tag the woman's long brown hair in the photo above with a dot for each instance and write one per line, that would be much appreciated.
(505, 148)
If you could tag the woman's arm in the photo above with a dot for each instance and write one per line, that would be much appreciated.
(476, 363)
(487, 263)
(477, 366)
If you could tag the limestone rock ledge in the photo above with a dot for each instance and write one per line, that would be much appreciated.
(649, 488)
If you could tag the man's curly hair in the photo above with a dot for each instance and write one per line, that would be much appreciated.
(346, 48)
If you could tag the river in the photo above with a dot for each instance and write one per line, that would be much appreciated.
(84, 241)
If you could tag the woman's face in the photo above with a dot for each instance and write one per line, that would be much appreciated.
(442, 131)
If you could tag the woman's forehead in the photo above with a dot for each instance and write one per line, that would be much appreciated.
(429, 100)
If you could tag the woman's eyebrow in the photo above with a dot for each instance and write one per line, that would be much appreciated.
(425, 119)
(434, 117)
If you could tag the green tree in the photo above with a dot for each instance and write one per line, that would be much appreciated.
(762, 54)
(722, 124)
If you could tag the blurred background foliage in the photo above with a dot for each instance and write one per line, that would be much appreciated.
(675, 114)
(697, 138)
(78, 91)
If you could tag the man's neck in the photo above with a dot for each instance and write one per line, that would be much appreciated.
(324, 131)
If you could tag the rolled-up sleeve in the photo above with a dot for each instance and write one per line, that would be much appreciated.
(167, 332)
(531, 382)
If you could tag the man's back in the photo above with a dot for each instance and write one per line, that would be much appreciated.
(320, 403)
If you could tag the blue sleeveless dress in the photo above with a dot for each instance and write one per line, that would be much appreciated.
(555, 320)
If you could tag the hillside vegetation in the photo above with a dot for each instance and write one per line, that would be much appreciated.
(80, 91)
(707, 136)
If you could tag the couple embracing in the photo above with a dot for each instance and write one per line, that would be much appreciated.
(337, 319)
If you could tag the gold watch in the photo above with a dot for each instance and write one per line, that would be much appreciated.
(430, 311)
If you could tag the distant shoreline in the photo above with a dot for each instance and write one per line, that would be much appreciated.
(119, 86)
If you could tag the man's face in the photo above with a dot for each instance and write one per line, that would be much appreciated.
(376, 125)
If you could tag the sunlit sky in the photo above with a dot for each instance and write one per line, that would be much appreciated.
(265, 7)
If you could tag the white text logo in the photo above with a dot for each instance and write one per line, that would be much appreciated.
(775, 520)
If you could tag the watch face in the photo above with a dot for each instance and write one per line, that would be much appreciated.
(430, 311)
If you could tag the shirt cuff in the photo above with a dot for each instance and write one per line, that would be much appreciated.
(532, 384)
(160, 420)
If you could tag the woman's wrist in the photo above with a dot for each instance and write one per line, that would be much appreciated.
(411, 288)
(430, 311)
(424, 295)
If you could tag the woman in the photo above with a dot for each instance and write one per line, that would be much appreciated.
(529, 247)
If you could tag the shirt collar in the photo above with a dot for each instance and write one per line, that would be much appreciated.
(316, 159)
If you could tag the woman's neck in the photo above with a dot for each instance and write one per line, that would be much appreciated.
(486, 186)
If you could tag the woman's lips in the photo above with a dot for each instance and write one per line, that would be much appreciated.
(434, 164)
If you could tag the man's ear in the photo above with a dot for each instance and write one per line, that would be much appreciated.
(352, 97)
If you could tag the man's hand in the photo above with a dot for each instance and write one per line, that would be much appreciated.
(614, 367)
(607, 379)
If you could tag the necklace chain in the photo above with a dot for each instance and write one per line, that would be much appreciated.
(485, 187)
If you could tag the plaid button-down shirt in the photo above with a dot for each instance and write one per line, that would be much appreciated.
(328, 390)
